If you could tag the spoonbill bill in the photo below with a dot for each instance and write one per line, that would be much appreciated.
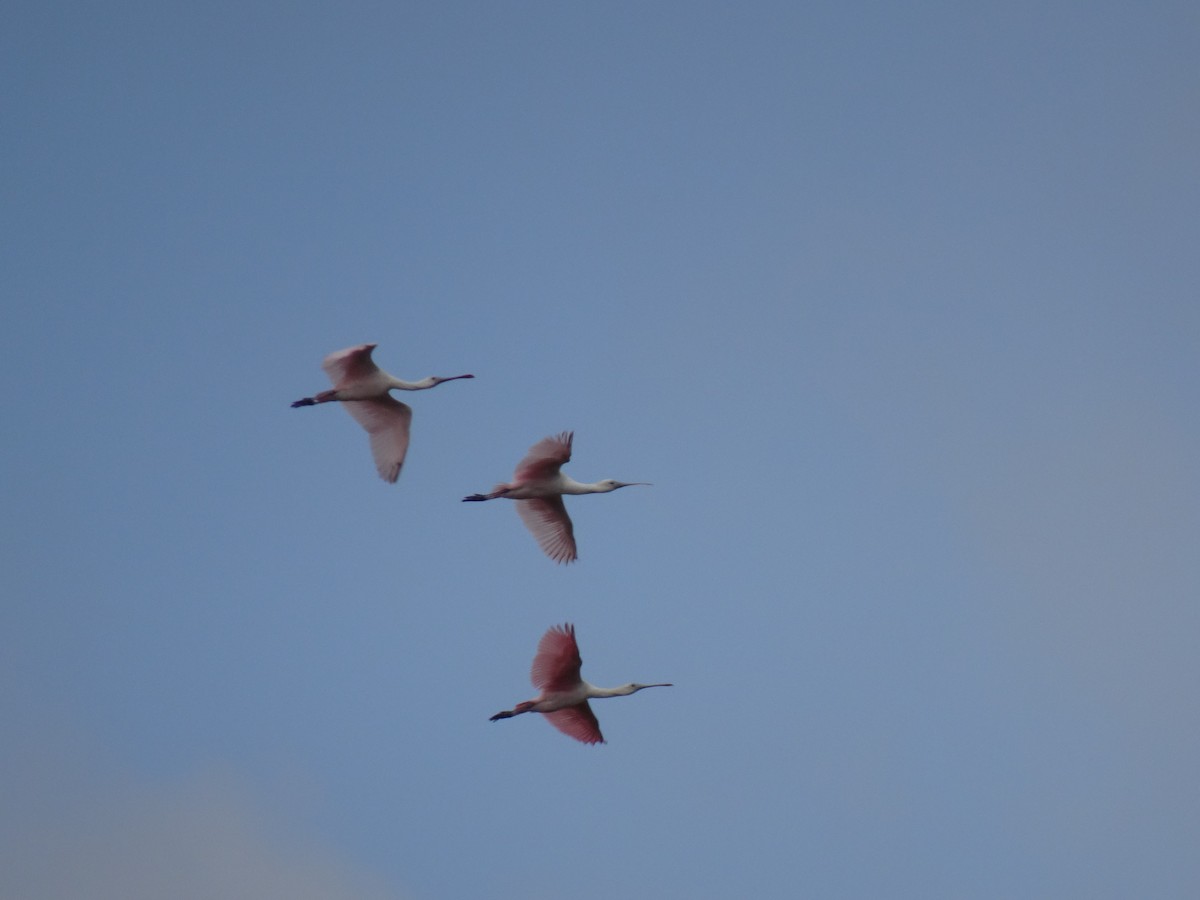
(538, 487)
(362, 388)
(564, 694)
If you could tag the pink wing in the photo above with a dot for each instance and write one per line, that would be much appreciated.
(547, 520)
(556, 664)
(577, 721)
(545, 458)
(350, 365)
(386, 421)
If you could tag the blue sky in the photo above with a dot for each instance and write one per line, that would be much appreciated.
(896, 307)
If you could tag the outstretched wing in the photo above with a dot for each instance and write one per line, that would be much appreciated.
(556, 664)
(545, 458)
(547, 520)
(578, 721)
(350, 364)
(386, 421)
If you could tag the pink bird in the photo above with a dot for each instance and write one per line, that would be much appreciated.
(538, 487)
(564, 694)
(362, 387)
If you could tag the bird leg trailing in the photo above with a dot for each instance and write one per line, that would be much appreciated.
(509, 713)
(323, 397)
(500, 491)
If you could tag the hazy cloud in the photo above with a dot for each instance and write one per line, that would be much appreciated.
(71, 832)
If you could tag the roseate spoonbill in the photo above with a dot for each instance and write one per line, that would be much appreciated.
(538, 487)
(564, 694)
(362, 387)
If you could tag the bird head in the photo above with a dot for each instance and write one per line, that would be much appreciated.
(634, 688)
(426, 383)
(435, 380)
(611, 484)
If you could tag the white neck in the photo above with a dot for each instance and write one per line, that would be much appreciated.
(621, 691)
(423, 385)
(570, 486)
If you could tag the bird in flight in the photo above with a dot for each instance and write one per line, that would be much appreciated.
(538, 486)
(362, 388)
(564, 694)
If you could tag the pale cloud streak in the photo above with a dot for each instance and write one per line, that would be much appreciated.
(72, 831)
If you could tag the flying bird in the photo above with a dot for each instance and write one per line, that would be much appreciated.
(564, 694)
(362, 388)
(538, 487)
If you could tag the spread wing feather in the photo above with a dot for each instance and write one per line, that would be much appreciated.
(351, 364)
(387, 421)
(547, 520)
(545, 458)
(557, 662)
(577, 721)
